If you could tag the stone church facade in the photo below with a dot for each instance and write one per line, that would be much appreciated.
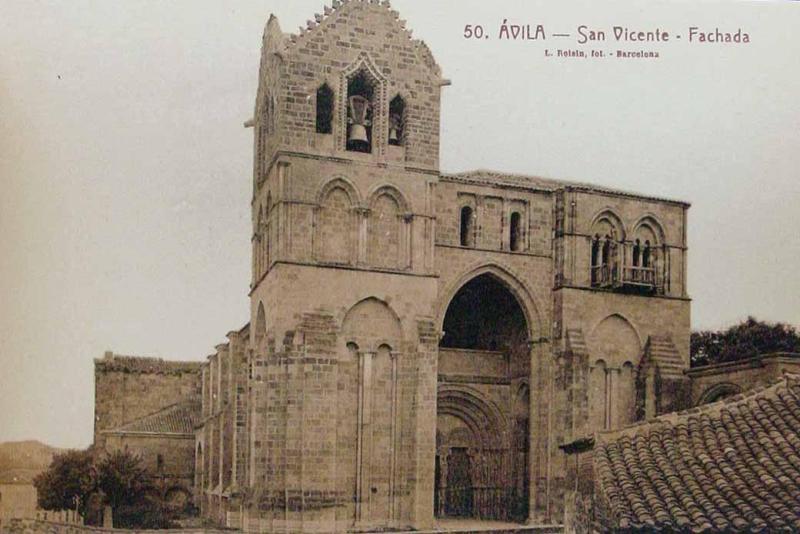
(421, 343)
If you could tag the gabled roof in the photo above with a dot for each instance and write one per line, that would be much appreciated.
(176, 419)
(729, 466)
(526, 181)
(330, 14)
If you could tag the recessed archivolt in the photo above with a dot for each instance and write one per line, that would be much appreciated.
(511, 281)
(477, 412)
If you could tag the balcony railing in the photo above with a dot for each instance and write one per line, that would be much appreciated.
(639, 276)
(604, 275)
(608, 276)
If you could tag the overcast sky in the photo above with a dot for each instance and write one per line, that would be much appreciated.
(126, 172)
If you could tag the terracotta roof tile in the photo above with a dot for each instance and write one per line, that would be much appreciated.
(730, 466)
(174, 419)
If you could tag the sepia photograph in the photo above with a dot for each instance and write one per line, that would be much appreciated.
(336, 266)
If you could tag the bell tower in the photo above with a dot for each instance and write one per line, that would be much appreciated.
(342, 386)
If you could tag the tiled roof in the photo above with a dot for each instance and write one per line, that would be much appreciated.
(144, 364)
(174, 419)
(730, 466)
(489, 177)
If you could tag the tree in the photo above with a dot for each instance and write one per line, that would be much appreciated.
(67, 482)
(122, 478)
(744, 340)
(126, 485)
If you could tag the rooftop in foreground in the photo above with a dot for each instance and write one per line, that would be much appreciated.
(729, 466)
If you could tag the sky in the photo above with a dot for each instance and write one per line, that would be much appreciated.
(126, 169)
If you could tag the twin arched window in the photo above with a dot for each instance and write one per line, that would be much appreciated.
(629, 264)
(467, 229)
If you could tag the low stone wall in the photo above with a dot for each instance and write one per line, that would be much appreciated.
(38, 526)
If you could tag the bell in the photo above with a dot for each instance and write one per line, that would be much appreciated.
(359, 107)
(358, 133)
(394, 130)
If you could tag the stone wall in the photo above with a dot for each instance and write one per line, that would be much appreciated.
(221, 444)
(713, 382)
(169, 461)
(127, 388)
(17, 500)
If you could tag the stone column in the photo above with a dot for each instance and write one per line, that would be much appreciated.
(364, 432)
(406, 240)
(395, 426)
(539, 350)
(362, 214)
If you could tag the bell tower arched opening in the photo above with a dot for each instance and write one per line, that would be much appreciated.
(483, 405)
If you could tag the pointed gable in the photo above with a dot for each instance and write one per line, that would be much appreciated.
(373, 20)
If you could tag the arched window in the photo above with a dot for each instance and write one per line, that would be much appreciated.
(359, 113)
(397, 110)
(637, 250)
(645, 254)
(515, 237)
(324, 109)
(466, 227)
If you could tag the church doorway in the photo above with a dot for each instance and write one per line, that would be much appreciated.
(483, 405)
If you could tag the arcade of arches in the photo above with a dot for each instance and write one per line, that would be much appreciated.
(483, 405)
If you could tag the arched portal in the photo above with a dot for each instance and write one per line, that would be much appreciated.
(483, 404)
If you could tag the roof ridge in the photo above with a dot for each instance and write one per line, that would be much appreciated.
(130, 426)
(714, 408)
(554, 184)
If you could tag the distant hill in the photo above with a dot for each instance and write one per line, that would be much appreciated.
(20, 461)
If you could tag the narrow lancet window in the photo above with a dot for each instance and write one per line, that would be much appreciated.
(324, 109)
(466, 226)
(397, 109)
(515, 237)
